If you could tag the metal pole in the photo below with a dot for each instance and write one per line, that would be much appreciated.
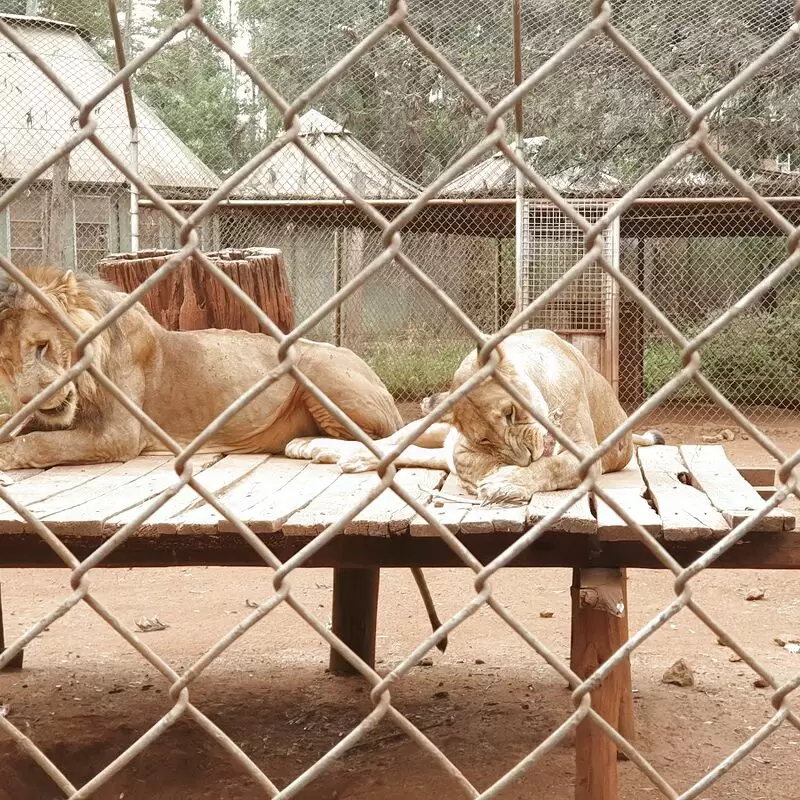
(337, 285)
(133, 144)
(134, 190)
(376, 203)
(519, 178)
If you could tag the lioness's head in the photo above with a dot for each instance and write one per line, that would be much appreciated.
(492, 421)
(35, 350)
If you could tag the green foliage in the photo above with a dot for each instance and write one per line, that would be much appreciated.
(755, 360)
(599, 110)
(201, 111)
(417, 366)
(91, 16)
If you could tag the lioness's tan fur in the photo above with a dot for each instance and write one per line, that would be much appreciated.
(181, 380)
(494, 445)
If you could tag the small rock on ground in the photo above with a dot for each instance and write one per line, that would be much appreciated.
(679, 674)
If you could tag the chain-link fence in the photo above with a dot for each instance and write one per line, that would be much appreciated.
(625, 106)
(392, 122)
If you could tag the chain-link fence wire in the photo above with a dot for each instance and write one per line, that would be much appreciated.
(395, 25)
(393, 121)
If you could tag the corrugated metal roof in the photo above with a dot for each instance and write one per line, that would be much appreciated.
(36, 118)
(496, 177)
(290, 175)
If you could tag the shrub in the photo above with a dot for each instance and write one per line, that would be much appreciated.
(754, 361)
(416, 366)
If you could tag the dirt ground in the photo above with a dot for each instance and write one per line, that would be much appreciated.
(85, 695)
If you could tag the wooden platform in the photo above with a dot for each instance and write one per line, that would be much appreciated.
(687, 497)
(679, 494)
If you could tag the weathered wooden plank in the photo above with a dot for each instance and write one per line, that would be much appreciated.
(401, 520)
(114, 481)
(758, 476)
(91, 516)
(598, 631)
(47, 484)
(279, 501)
(728, 491)
(388, 513)
(259, 488)
(448, 512)
(578, 518)
(486, 519)
(19, 475)
(354, 616)
(627, 488)
(219, 477)
(330, 505)
(686, 512)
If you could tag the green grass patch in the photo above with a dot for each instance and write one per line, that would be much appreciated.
(413, 368)
(754, 361)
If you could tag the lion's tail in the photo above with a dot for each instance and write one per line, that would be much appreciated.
(649, 438)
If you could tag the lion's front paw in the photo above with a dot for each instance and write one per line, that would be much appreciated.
(499, 490)
(363, 461)
(299, 448)
(320, 451)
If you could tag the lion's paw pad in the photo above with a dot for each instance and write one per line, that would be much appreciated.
(324, 455)
(498, 492)
(365, 462)
(298, 448)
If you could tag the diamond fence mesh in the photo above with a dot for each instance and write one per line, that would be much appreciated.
(392, 122)
(370, 141)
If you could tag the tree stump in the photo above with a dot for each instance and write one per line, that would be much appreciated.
(192, 299)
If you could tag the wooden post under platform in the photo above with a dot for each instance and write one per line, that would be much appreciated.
(599, 629)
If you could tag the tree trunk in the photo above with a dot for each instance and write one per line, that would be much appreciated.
(192, 299)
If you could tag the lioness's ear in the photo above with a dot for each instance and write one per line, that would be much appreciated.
(64, 288)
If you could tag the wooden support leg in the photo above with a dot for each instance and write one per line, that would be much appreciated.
(355, 615)
(16, 662)
(599, 628)
(626, 725)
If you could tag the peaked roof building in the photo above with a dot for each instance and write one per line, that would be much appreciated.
(36, 117)
(289, 174)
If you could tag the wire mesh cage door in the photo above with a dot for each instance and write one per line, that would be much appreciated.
(585, 313)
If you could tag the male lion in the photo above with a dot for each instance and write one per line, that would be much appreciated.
(493, 444)
(181, 380)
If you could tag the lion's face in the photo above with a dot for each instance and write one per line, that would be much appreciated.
(34, 352)
(494, 424)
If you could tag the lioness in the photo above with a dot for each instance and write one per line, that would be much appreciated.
(493, 444)
(181, 380)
